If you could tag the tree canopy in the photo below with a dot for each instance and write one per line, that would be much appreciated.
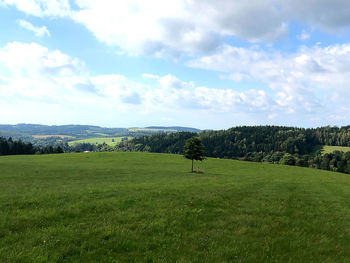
(194, 150)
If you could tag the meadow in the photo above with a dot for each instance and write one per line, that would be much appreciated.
(330, 149)
(144, 207)
(112, 141)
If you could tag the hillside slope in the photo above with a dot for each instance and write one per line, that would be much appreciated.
(143, 207)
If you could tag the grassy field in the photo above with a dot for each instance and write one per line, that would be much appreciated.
(330, 149)
(143, 207)
(100, 140)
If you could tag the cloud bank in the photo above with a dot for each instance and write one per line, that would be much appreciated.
(176, 27)
(295, 88)
(38, 78)
(308, 81)
(299, 86)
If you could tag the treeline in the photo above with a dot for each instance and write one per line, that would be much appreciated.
(10, 147)
(235, 142)
(123, 146)
(17, 147)
(240, 141)
(333, 136)
(337, 161)
(274, 144)
(162, 143)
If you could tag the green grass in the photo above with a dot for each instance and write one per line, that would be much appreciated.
(100, 140)
(330, 149)
(143, 207)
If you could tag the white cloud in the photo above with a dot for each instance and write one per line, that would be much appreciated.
(38, 31)
(176, 27)
(39, 84)
(34, 73)
(41, 8)
(304, 35)
(158, 28)
(149, 76)
(170, 28)
(236, 77)
(306, 82)
(23, 59)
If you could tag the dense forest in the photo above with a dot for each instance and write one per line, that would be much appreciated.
(274, 144)
(240, 141)
(10, 147)
(17, 147)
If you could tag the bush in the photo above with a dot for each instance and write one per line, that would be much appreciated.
(287, 159)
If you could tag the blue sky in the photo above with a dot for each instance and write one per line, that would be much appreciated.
(205, 64)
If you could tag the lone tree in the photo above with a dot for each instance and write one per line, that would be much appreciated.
(194, 150)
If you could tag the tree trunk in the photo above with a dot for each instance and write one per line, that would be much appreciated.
(192, 166)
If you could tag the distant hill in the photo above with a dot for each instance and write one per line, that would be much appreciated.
(7, 133)
(73, 130)
(82, 131)
(174, 128)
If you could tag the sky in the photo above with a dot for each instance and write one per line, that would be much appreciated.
(205, 64)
